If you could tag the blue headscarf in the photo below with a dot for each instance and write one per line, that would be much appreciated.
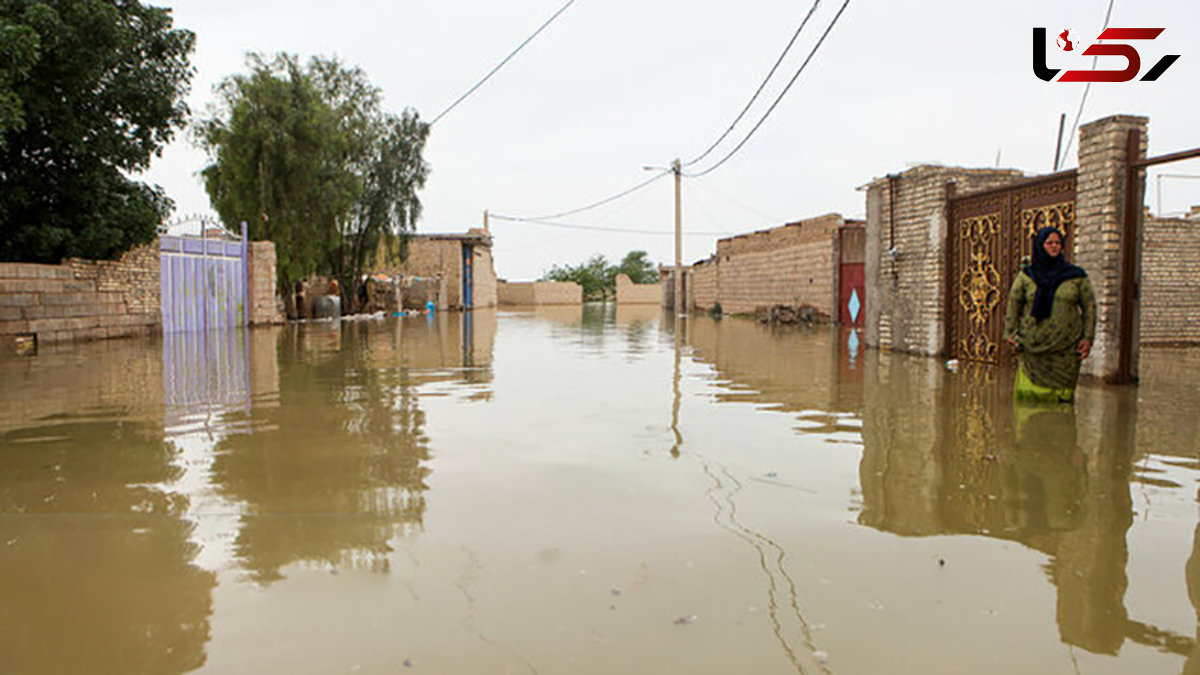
(1048, 272)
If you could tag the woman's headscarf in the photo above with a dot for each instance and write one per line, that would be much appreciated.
(1048, 272)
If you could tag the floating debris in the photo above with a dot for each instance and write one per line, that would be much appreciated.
(685, 620)
(821, 657)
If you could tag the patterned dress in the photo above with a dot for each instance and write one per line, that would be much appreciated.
(1047, 353)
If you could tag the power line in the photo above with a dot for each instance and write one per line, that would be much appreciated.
(758, 91)
(597, 228)
(1086, 89)
(501, 64)
(588, 207)
(781, 94)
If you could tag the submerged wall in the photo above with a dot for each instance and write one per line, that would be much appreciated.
(81, 299)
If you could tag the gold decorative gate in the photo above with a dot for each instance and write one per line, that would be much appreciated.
(990, 238)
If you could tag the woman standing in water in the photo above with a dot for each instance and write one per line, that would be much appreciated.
(1051, 320)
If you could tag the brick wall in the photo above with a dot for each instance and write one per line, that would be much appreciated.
(702, 294)
(629, 293)
(440, 257)
(1100, 208)
(436, 259)
(1170, 286)
(483, 290)
(905, 291)
(518, 293)
(82, 299)
(536, 293)
(264, 308)
(789, 265)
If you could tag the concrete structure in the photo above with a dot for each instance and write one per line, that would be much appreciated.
(455, 270)
(536, 293)
(629, 293)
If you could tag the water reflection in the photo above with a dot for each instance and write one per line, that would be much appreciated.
(342, 468)
(810, 371)
(953, 454)
(96, 552)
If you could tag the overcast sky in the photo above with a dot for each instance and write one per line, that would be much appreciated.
(612, 86)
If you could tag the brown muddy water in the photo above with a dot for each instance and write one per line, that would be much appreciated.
(570, 491)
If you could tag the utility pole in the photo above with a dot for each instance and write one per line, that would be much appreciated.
(679, 302)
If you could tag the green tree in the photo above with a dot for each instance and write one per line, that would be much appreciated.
(598, 277)
(594, 276)
(90, 90)
(308, 157)
(638, 267)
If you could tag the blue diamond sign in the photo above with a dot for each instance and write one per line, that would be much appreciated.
(854, 306)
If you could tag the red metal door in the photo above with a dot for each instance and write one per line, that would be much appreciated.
(852, 298)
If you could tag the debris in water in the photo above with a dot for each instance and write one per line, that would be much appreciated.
(615, 591)
(875, 606)
(772, 474)
(408, 663)
(941, 562)
(821, 657)
(685, 620)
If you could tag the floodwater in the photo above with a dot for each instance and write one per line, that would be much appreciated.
(586, 491)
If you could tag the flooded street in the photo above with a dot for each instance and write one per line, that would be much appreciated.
(586, 490)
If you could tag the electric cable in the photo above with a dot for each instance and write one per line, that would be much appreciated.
(501, 64)
(1086, 89)
(601, 202)
(598, 228)
(758, 91)
(778, 98)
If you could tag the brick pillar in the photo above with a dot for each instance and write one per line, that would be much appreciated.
(1100, 222)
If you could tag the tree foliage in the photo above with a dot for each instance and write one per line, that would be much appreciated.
(90, 90)
(306, 155)
(638, 267)
(598, 277)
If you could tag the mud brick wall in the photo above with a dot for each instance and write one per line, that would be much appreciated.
(436, 259)
(1100, 215)
(440, 257)
(906, 290)
(82, 299)
(264, 309)
(703, 292)
(532, 293)
(518, 293)
(629, 293)
(1170, 292)
(789, 265)
(483, 289)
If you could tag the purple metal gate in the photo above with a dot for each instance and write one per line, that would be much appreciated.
(203, 284)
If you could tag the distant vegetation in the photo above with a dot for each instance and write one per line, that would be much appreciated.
(598, 277)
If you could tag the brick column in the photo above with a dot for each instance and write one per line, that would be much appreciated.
(1100, 222)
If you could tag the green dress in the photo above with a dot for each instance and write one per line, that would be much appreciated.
(1049, 364)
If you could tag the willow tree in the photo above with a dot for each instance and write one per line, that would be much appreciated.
(306, 155)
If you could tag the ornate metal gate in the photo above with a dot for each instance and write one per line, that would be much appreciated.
(991, 234)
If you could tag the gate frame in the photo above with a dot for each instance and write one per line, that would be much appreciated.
(1131, 251)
